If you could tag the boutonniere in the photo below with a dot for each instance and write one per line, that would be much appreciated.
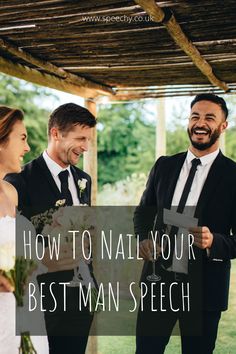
(60, 202)
(82, 185)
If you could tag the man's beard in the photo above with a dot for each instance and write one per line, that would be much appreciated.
(203, 146)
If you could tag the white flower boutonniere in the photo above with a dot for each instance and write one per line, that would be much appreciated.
(60, 202)
(82, 185)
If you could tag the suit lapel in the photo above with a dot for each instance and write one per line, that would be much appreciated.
(76, 175)
(210, 186)
(53, 187)
(171, 181)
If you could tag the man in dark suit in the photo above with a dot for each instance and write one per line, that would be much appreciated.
(202, 180)
(51, 177)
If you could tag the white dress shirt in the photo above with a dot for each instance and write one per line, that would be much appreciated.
(203, 169)
(55, 169)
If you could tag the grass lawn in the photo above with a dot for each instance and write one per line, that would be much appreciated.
(226, 342)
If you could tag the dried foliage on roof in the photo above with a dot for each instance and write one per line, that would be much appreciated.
(93, 48)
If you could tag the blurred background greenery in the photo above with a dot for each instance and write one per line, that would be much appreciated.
(126, 134)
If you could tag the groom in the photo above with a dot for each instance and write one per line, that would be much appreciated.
(51, 177)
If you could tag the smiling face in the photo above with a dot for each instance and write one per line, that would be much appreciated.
(206, 123)
(66, 148)
(13, 150)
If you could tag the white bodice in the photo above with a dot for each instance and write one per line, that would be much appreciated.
(7, 229)
(9, 342)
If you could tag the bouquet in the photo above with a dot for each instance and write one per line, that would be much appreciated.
(17, 270)
(57, 221)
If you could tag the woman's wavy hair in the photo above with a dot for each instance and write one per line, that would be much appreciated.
(8, 117)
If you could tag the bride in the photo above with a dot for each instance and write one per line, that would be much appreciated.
(13, 146)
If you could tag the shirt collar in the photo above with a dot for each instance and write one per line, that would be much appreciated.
(54, 168)
(205, 160)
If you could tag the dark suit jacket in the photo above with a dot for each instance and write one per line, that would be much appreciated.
(37, 193)
(216, 209)
(37, 189)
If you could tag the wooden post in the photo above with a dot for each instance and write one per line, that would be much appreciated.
(222, 142)
(90, 157)
(90, 166)
(160, 128)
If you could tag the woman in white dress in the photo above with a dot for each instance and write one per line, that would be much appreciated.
(5, 285)
(13, 146)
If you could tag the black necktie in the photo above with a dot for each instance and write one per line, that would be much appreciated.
(180, 208)
(65, 192)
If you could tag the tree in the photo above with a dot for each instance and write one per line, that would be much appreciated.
(177, 141)
(126, 142)
(28, 97)
(126, 138)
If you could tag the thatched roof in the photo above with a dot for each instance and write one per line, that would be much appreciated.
(78, 47)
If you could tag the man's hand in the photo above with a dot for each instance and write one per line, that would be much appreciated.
(65, 260)
(5, 285)
(203, 237)
(146, 250)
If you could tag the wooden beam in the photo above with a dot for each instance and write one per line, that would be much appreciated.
(167, 18)
(47, 80)
(90, 157)
(222, 143)
(160, 128)
(49, 67)
(123, 98)
(111, 68)
(90, 166)
(167, 90)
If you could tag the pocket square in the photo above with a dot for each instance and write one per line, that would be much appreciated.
(217, 260)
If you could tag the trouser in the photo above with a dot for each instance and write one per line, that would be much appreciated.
(197, 327)
(199, 344)
(68, 334)
(67, 344)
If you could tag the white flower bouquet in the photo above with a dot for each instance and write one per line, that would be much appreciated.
(58, 221)
(17, 270)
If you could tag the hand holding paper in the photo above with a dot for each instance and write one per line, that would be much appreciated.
(203, 237)
(181, 221)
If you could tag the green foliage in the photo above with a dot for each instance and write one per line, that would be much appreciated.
(176, 141)
(126, 142)
(124, 192)
(230, 143)
(176, 135)
(126, 135)
(29, 98)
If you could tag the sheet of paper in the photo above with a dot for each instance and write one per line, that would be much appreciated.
(180, 220)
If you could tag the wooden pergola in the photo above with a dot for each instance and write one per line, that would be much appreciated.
(124, 50)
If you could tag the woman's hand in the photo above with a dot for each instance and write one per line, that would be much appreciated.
(65, 260)
(5, 285)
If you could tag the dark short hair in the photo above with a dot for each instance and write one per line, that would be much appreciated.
(8, 117)
(212, 98)
(68, 115)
